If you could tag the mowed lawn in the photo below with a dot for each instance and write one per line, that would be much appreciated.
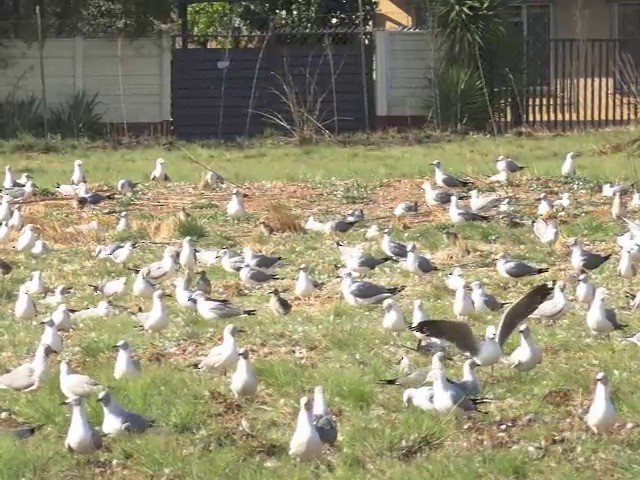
(534, 428)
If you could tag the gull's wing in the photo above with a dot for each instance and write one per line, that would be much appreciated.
(20, 378)
(367, 290)
(520, 310)
(458, 333)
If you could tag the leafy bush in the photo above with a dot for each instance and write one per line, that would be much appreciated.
(20, 115)
(78, 117)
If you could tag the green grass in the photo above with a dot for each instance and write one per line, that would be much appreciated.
(325, 341)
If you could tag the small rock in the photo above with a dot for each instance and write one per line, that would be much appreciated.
(5, 415)
(629, 426)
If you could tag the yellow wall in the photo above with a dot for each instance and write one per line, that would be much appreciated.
(393, 14)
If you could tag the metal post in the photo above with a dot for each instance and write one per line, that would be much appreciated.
(363, 66)
(45, 113)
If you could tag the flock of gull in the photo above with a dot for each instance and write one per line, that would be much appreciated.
(184, 267)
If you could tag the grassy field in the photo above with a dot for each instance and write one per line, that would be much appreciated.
(535, 428)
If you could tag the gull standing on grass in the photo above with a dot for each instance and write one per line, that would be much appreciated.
(454, 279)
(505, 164)
(618, 207)
(5, 233)
(235, 207)
(187, 257)
(25, 307)
(224, 356)
(50, 336)
(116, 419)
(484, 202)
(156, 319)
(62, 318)
(112, 288)
(158, 271)
(405, 208)
(39, 248)
(601, 416)
(253, 277)
(123, 254)
(142, 287)
(73, 384)
(27, 238)
(528, 355)
(447, 398)
(244, 382)
(102, 310)
(569, 166)
(462, 303)
(305, 285)
(9, 182)
(82, 438)
(460, 215)
(5, 208)
(78, 176)
(365, 293)
(305, 444)
(126, 186)
(126, 366)
(416, 263)
(564, 201)
(601, 319)
(609, 190)
(278, 304)
(392, 248)
(585, 290)
(546, 231)
(556, 307)
(123, 224)
(420, 397)
(207, 257)
(516, 269)
(582, 259)
(626, 266)
(434, 197)
(35, 284)
(231, 263)
(445, 180)
(546, 205)
(184, 296)
(159, 173)
(484, 302)
(635, 200)
(203, 283)
(259, 261)
(393, 319)
(216, 309)
(28, 376)
(323, 421)
(58, 296)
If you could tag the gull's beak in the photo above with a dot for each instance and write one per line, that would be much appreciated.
(115, 347)
(242, 330)
(63, 403)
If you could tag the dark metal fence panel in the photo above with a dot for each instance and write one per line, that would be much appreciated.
(275, 81)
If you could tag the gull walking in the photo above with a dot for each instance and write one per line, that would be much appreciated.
(156, 319)
(305, 445)
(116, 419)
(601, 416)
(224, 356)
(82, 438)
(126, 366)
(244, 382)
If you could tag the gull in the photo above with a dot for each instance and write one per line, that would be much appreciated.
(390, 247)
(516, 269)
(418, 377)
(82, 437)
(183, 295)
(207, 257)
(500, 177)
(556, 307)
(235, 207)
(244, 382)
(505, 164)
(393, 319)
(609, 190)
(203, 284)
(159, 173)
(78, 176)
(404, 365)
(212, 178)
(564, 201)
(484, 302)
(416, 263)
(601, 319)
(313, 225)
(66, 190)
(254, 277)
(104, 251)
(462, 303)
(339, 226)
(35, 284)
(635, 200)
(142, 287)
(112, 288)
(634, 300)
(126, 186)
(158, 271)
(355, 215)
(278, 304)
(582, 259)
(405, 208)
(420, 397)
(57, 297)
(372, 232)
(260, 261)
(479, 203)
(305, 444)
(447, 398)
(62, 318)
(156, 319)
(265, 228)
(323, 421)
(305, 285)
(230, 262)
(365, 293)
(117, 420)
(470, 383)
(569, 166)
(585, 290)
(84, 197)
(21, 193)
(445, 180)
(460, 215)
(418, 315)
(102, 310)
(215, 309)
(126, 366)
(546, 231)
(618, 207)
(601, 416)
(73, 384)
(25, 307)
(626, 267)
(122, 254)
(5, 208)
(224, 356)
(9, 182)
(16, 221)
(50, 336)
(454, 279)
(27, 238)
(347, 251)
(363, 263)
(545, 206)
(123, 224)
(39, 248)
(187, 257)
(528, 355)
(28, 376)
(434, 197)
